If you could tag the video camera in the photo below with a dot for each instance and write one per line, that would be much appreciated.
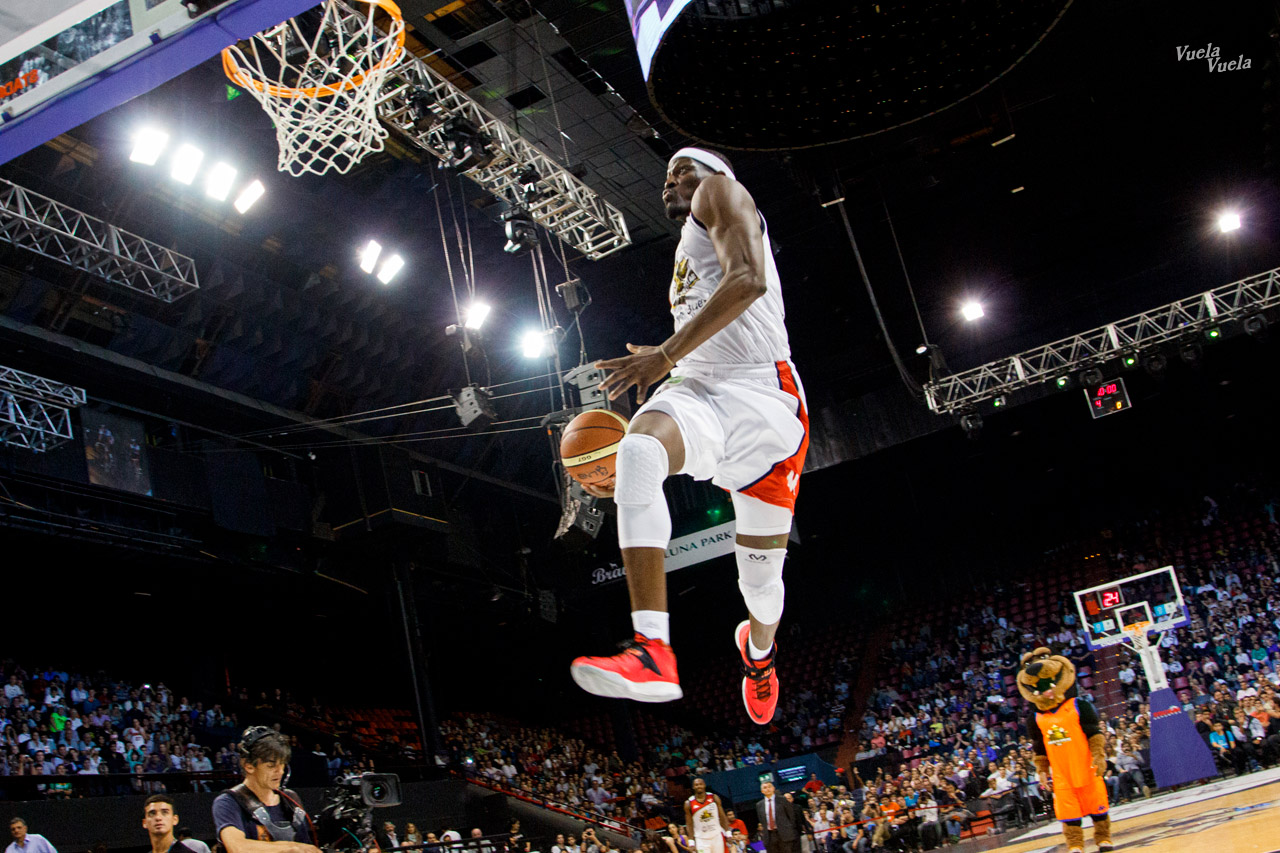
(346, 821)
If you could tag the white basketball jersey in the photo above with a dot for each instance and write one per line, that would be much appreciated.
(758, 336)
(706, 817)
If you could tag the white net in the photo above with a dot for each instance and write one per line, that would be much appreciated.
(319, 76)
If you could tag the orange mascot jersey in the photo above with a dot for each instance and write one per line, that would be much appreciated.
(1077, 791)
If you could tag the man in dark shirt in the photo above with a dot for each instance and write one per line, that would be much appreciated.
(259, 812)
(159, 817)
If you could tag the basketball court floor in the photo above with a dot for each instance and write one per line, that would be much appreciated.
(1236, 815)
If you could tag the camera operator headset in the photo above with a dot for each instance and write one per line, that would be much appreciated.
(259, 811)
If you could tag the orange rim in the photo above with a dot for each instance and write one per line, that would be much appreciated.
(238, 76)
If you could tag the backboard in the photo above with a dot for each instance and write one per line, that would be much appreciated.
(1153, 597)
(62, 62)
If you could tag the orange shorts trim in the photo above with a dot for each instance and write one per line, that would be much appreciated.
(781, 485)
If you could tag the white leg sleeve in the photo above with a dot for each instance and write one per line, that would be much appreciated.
(643, 518)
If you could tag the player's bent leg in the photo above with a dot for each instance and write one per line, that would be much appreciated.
(760, 550)
(646, 668)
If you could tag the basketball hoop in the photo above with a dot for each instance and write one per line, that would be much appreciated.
(318, 76)
(1137, 632)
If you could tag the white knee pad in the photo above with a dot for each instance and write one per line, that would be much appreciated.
(760, 579)
(643, 518)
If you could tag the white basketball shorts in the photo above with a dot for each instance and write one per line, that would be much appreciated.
(746, 430)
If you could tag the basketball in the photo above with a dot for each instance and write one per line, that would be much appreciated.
(589, 445)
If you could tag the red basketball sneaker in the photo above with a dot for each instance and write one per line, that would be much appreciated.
(759, 679)
(645, 670)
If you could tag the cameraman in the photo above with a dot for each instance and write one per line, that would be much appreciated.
(259, 812)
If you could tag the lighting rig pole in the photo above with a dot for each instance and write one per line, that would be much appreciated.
(1187, 319)
(440, 118)
(39, 224)
(35, 413)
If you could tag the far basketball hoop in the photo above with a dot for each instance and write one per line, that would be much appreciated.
(318, 76)
(1131, 610)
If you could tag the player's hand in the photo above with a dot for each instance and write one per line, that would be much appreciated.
(603, 489)
(644, 368)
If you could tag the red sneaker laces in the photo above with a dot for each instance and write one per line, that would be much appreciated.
(760, 675)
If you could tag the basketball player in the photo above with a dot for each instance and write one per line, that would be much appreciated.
(733, 412)
(704, 819)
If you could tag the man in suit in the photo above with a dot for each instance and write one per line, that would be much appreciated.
(779, 821)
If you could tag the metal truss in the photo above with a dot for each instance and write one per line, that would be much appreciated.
(418, 102)
(35, 413)
(41, 225)
(1182, 319)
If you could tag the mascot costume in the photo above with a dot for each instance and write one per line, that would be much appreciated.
(1069, 746)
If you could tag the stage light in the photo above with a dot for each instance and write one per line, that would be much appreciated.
(148, 143)
(972, 426)
(218, 184)
(476, 314)
(369, 256)
(522, 232)
(1129, 361)
(1213, 333)
(971, 310)
(249, 195)
(1155, 364)
(1190, 354)
(390, 267)
(186, 162)
(1090, 376)
(999, 402)
(467, 146)
(1255, 326)
(536, 344)
(1063, 381)
(1228, 221)
(922, 349)
(474, 407)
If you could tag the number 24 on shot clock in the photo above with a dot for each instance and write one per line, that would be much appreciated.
(1107, 398)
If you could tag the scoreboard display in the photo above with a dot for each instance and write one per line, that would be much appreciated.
(1107, 398)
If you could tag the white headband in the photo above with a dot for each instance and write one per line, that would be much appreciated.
(706, 158)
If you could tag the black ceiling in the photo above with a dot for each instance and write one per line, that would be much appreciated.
(1123, 151)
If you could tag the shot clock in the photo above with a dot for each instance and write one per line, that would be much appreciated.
(1107, 398)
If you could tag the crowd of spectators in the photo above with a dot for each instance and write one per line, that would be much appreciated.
(562, 771)
(87, 734)
(55, 723)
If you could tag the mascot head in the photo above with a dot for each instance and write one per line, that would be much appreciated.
(1046, 680)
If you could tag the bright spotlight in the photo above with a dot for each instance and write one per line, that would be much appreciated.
(369, 257)
(922, 349)
(535, 344)
(249, 195)
(476, 315)
(186, 162)
(971, 310)
(1228, 221)
(218, 184)
(147, 145)
(390, 267)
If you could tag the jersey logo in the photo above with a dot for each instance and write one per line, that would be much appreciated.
(1057, 736)
(793, 482)
(684, 279)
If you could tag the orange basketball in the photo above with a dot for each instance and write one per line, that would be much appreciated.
(589, 445)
